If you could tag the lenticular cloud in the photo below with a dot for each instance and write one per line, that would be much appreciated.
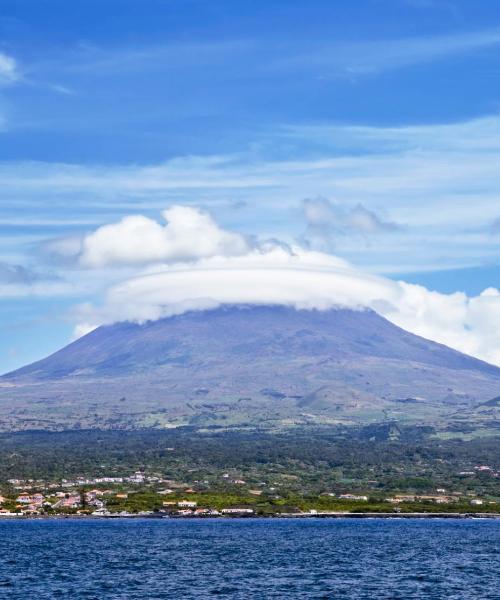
(273, 273)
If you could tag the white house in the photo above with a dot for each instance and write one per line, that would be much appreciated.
(187, 504)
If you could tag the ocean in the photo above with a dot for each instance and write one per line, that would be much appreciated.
(250, 558)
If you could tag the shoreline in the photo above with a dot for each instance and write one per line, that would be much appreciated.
(280, 516)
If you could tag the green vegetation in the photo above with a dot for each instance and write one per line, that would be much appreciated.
(148, 500)
(300, 463)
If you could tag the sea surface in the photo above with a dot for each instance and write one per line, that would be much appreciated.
(250, 558)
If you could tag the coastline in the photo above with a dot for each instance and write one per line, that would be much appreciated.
(280, 516)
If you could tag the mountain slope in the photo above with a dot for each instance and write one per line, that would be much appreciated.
(240, 365)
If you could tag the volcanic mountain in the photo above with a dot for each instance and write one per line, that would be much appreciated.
(246, 366)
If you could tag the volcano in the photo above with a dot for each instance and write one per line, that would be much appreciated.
(235, 366)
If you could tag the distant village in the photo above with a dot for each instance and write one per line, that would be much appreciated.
(115, 497)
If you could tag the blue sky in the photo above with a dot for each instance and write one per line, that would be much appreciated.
(386, 110)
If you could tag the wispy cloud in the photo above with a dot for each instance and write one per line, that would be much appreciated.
(9, 71)
(370, 57)
(265, 62)
(9, 74)
(128, 60)
(440, 181)
(17, 281)
(326, 221)
(16, 274)
(245, 57)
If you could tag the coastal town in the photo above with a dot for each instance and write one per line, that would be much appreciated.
(142, 494)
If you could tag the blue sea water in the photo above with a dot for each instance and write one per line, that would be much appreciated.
(250, 558)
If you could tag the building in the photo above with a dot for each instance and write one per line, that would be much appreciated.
(71, 501)
(400, 498)
(437, 499)
(410, 498)
(353, 497)
(37, 499)
(187, 504)
(24, 498)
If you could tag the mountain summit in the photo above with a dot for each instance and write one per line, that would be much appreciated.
(245, 365)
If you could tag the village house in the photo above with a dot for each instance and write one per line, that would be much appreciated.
(437, 499)
(92, 500)
(187, 504)
(353, 497)
(399, 498)
(24, 498)
(37, 499)
(69, 502)
(137, 477)
(413, 498)
(101, 512)
(237, 511)
(89, 496)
